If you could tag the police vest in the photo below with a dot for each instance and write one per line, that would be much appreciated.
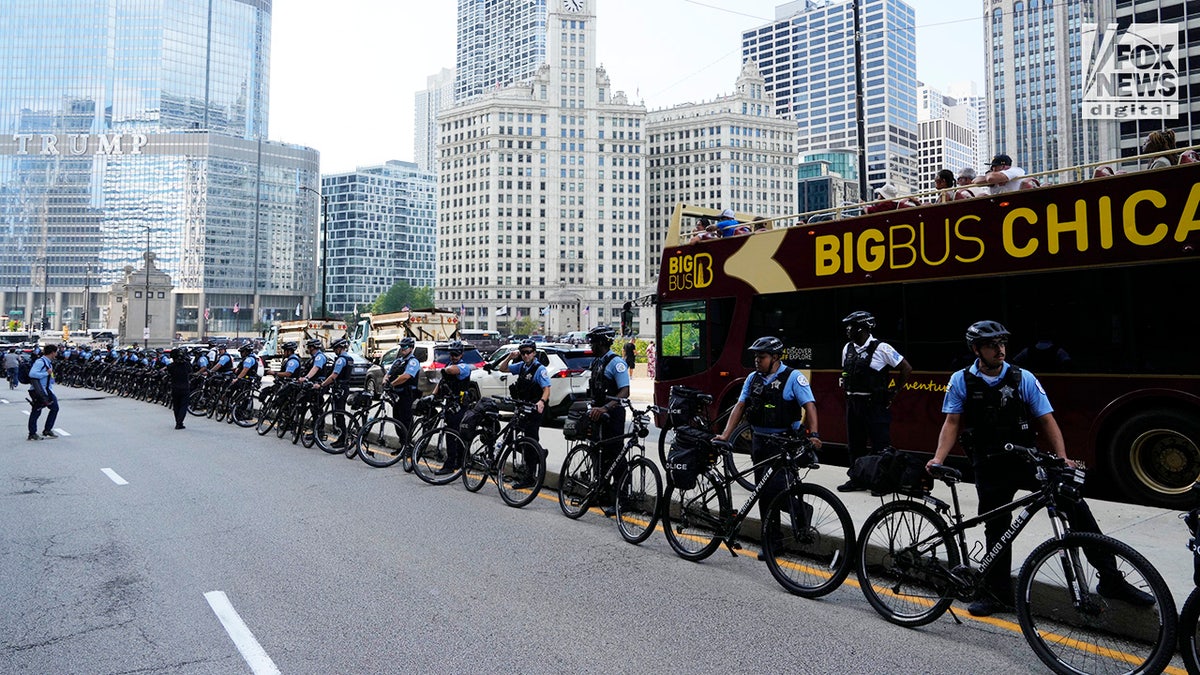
(325, 369)
(600, 386)
(767, 407)
(994, 415)
(526, 388)
(398, 368)
(343, 378)
(858, 377)
(457, 387)
(290, 360)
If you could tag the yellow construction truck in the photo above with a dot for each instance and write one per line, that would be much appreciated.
(376, 333)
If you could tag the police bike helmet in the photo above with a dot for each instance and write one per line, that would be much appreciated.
(604, 334)
(769, 344)
(408, 343)
(314, 343)
(340, 343)
(245, 349)
(985, 331)
(527, 344)
(863, 320)
(289, 346)
(455, 348)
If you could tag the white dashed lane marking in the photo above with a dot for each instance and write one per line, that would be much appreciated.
(115, 478)
(243, 639)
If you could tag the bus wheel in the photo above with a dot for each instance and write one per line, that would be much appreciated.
(1155, 458)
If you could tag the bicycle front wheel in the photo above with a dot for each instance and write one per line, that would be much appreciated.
(1189, 632)
(904, 554)
(382, 442)
(438, 456)
(333, 431)
(480, 454)
(1074, 628)
(521, 472)
(267, 415)
(693, 518)
(638, 493)
(578, 481)
(197, 403)
(245, 409)
(808, 540)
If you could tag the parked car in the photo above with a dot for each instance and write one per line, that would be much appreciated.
(432, 355)
(567, 379)
(364, 374)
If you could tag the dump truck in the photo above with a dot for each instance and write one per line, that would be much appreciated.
(300, 331)
(376, 333)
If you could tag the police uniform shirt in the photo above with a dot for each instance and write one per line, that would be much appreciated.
(291, 365)
(1031, 391)
(339, 363)
(250, 362)
(464, 370)
(406, 365)
(41, 375)
(224, 360)
(885, 355)
(319, 361)
(795, 389)
(540, 376)
(618, 371)
(203, 361)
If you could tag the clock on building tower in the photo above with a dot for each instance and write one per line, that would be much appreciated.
(572, 6)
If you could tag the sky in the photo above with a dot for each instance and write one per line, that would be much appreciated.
(344, 74)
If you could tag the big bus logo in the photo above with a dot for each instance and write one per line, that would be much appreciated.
(689, 271)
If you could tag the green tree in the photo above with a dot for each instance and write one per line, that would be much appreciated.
(400, 294)
(526, 325)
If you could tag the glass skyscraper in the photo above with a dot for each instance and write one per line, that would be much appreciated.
(135, 124)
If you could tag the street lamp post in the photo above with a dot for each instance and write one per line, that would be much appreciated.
(87, 295)
(146, 325)
(324, 249)
(45, 325)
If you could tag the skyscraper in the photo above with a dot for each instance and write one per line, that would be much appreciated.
(807, 56)
(1035, 80)
(437, 94)
(540, 190)
(499, 42)
(381, 230)
(948, 139)
(138, 125)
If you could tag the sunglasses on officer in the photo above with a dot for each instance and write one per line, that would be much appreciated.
(527, 352)
(994, 344)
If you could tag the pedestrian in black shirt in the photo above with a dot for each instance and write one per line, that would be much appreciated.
(180, 371)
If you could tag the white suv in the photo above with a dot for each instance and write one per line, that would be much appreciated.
(565, 381)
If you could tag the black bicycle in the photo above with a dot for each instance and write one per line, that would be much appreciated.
(637, 489)
(913, 563)
(1189, 618)
(688, 407)
(515, 461)
(808, 536)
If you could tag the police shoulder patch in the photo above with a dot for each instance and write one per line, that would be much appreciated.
(1038, 383)
(621, 367)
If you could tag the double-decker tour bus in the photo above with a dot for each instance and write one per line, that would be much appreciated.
(1094, 278)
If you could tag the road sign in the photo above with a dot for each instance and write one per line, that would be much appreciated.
(146, 333)
(17, 312)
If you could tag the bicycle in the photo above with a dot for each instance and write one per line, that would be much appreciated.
(384, 440)
(504, 454)
(1189, 617)
(688, 407)
(807, 537)
(912, 564)
(583, 479)
(438, 454)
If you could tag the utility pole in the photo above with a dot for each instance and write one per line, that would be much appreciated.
(146, 326)
(324, 250)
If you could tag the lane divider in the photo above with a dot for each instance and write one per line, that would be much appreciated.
(60, 432)
(114, 477)
(256, 657)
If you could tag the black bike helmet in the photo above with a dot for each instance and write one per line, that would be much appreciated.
(602, 334)
(769, 343)
(314, 343)
(340, 343)
(527, 344)
(245, 349)
(408, 343)
(289, 346)
(985, 331)
(455, 348)
(860, 319)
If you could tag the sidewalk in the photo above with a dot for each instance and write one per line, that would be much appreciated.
(1157, 534)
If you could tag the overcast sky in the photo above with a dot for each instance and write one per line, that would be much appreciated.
(344, 74)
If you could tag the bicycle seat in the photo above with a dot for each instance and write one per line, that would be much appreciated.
(943, 472)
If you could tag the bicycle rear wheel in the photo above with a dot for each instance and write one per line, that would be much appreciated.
(438, 456)
(382, 442)
(693, 518)
(266, 416)
(245, 409)
(639, 491)
(197, 403)
(738, 460)
(578, 481)
(332, 433)
(904, 553)
(1097, 635)
(1189, 632)
(808, 540)
(480, 455)
(521, 472)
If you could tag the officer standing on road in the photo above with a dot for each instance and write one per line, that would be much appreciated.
(339, 378)
(249, 364)
(532, 385)
(180, 372)
(609, 378)
(772, 399)
(291, 363)
(455, 382)
(866, 365)
(41, 393)
(987, 405)
(402, 378)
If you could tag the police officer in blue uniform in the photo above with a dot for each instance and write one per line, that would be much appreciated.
(248, 369)
(180, 372)
(531, 385)
(991, 403)
(454, 383)
(402, 378)
(772, 399)
(41, 393)
(291, 363)
(609, 378)
(338, 380)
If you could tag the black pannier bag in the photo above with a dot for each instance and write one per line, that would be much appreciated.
(891, 471)
(691, 455)
(685, 404)
(483, 417)
(423, 406)
(361, 400)
(578, 423)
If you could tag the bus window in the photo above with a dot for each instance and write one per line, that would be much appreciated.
(693, 335)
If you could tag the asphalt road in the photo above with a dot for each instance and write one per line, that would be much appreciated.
(122, 541)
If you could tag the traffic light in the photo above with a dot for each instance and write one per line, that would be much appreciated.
(627, 319)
